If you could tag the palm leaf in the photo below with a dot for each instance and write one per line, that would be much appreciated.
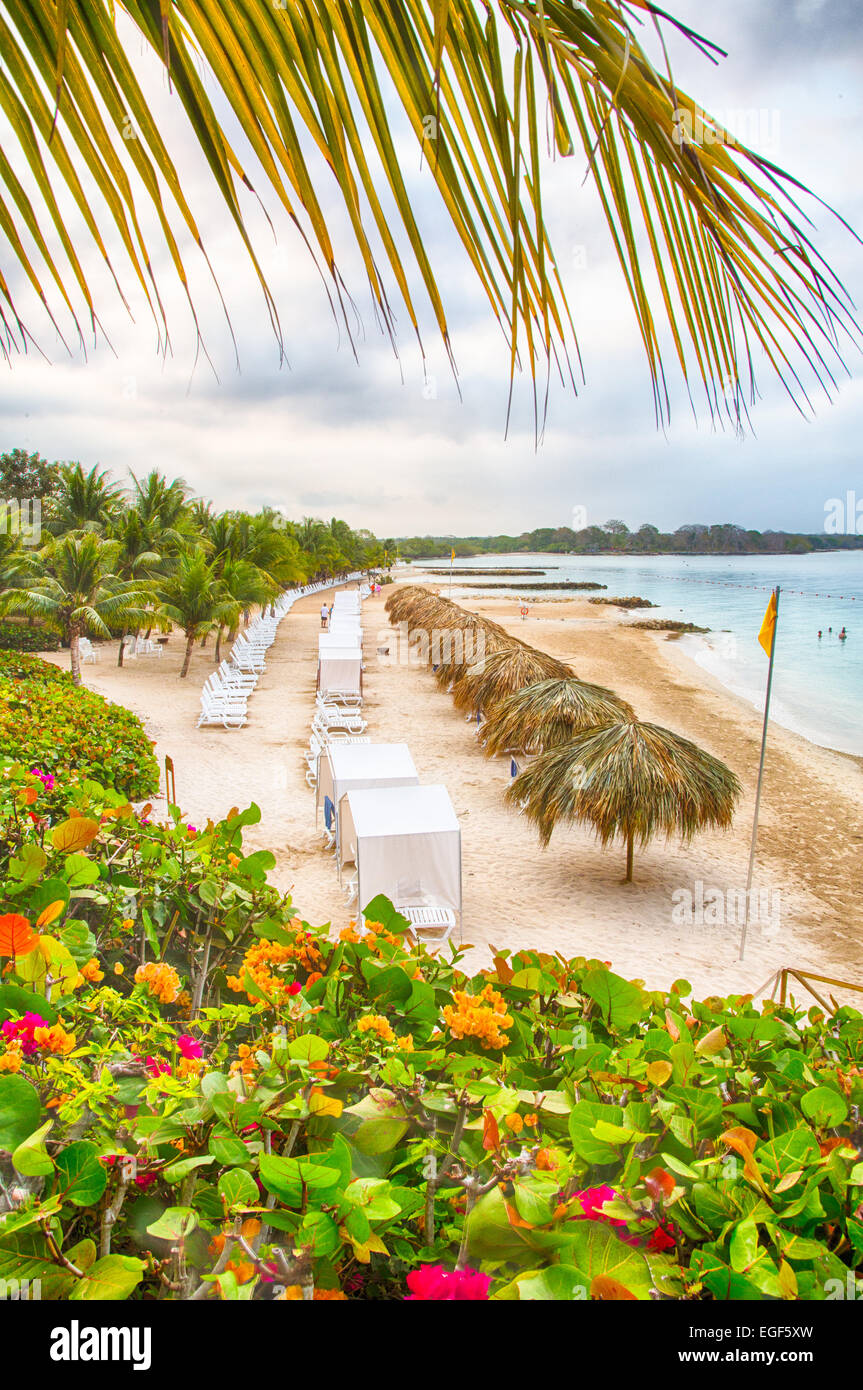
(737, 273)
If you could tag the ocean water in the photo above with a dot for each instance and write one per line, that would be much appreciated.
(817, 682)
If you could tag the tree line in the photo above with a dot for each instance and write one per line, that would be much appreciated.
(615, 537)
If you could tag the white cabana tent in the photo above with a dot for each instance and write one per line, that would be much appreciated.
(337, 641)
(359, 766)
(406, 843)
(346, 601)
(341, 669)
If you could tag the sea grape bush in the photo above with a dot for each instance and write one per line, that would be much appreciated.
(203, 1097)
(47, 722)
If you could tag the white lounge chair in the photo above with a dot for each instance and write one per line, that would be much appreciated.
(434, 925)
(86, 650)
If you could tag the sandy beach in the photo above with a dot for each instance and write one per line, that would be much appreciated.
(569, 897)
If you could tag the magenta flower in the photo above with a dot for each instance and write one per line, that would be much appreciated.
(592, 1200)
(45, 778)
(22, 1030)
(157, 1068)
(434, 1283)
(189, 1047)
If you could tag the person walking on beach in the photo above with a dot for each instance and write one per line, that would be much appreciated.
(324, 614)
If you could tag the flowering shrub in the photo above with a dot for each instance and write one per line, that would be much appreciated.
(45, 721)
(204, 1097)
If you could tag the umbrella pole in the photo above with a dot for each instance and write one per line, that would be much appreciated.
(630, 847)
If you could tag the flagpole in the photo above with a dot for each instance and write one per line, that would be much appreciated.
(760, 777)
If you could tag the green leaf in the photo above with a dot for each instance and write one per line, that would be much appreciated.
(227, 1148)
(286, 1177)
(111, 1279)
(16, 1001)
(81, 1177)
(174, 1224)
(239, 1189)
(825, 1107)
(621, 1002)
(20, 1109)
(308, 1048)
(31, 1158)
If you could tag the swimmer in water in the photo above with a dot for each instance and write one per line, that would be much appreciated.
(843, 635)
(819, 632)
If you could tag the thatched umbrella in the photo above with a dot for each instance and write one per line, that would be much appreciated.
(502, 672)
(629, 779)
(545, 715)
(477, 639)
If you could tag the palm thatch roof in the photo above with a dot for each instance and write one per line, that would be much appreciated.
(477, 640)
(548, 713)
(629, 779)
(502, 672)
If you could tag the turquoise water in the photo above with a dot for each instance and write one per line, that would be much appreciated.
(817, 683)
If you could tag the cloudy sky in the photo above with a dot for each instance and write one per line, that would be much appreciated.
(375, 442)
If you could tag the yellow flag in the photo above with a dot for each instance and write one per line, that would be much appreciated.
(452, 555)
(768, 627)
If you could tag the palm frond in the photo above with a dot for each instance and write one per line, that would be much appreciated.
(737, 271)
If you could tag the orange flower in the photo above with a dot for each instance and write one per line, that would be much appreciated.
(91, 971)
(12, 1058)
(514, 1123)
(481, 1016)
(376, 1023)
(267, 961)
(54, 1039)
(162, 980)
(531, 1120)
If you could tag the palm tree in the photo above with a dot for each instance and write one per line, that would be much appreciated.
(137, 557)
(629, 779)
(194, 598)
(546, 714)
(732, 272)
(497, 675)
(245, 586)
(157, 500)
(76, 591)
(85, 501)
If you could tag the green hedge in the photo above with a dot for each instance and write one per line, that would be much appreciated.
(46, 722)
(15, 637)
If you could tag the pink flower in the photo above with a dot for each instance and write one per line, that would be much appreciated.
(22, 1030)
(592, 1200)
(189, 1047)
(44, 777)
(433, 1282)
(294, 988)
(157, 1068)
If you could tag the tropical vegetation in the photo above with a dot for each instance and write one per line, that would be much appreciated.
(204, 1097)
(106, 560)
